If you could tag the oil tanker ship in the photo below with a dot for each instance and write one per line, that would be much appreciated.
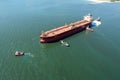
(66, 30)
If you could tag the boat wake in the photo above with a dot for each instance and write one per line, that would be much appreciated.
(99, 1)
(29, 54)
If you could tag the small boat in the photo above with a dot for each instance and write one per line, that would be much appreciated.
(94, 23)
(19, 53)
(64, 43)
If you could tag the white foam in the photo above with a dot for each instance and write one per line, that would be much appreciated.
(99, 1)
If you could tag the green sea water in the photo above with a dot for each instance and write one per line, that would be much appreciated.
(91, 55)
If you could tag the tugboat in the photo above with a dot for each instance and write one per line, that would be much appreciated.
(96, 22)
(19, 53)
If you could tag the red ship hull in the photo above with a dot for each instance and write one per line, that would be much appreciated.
(63, 35)
(66, 30)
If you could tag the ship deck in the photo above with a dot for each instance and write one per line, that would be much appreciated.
(62, 29)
